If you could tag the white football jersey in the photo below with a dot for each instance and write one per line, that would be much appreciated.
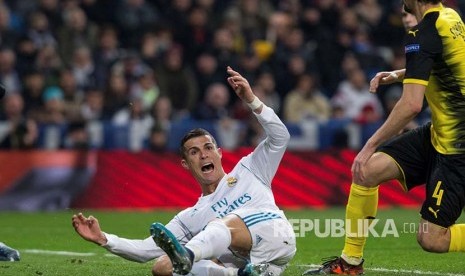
(246, 188)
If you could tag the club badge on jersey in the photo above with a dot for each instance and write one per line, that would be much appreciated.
(231, 181)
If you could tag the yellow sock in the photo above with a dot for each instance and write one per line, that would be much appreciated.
(362, 204)
(457, 238)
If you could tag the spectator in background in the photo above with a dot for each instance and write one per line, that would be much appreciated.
(158, 139)
(206, 72)
(224, 47)
(51, 9)
(146, 86)
(215, 103)
(253, 17)
(83, 68)
(116, 95)
(8, 74)
(354, 97)
(177, 82)
(48, 62)
(128, 66)
(265, 83)
(8, 35)
(176, 14)
(287, 80)
(22, 132)
(53, 111)
(369, 11)
(34, 85)
(39, 31)
(26, 54)
(72, 96)
(134, 17)
(162, 113)
(289, 38)
(106, 53)
(292, 45)
(92, 106)
(250, 64)
(196, 34)
(76, 32)
(306, 102)
(154, 44)
(137, 120)
(133, 112)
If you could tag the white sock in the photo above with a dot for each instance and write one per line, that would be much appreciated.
(213, 241)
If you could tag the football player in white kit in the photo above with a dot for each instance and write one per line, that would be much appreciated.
(235, 228)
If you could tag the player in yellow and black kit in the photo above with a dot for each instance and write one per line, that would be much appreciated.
(433, 154)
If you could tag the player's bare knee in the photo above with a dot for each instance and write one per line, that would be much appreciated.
(162, 267)
(433, 241)
(379, 168)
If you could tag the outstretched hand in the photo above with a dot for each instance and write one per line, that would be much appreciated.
(88, 229)
(240, 85)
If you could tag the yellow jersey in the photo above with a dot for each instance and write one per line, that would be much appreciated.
(435, 57)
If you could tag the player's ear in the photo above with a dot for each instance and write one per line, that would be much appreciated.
(184, 164)
(220, 152)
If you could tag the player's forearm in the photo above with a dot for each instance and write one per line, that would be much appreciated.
(399, 117)
(275, 129)
(134, 250)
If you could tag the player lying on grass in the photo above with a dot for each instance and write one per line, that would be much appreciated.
(236, 218)
(433, 154)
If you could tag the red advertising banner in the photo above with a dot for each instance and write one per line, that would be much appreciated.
(144, 180)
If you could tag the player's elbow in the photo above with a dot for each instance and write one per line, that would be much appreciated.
(286, 136)
(414, 107)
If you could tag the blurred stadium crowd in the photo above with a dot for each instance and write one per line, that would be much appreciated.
(130, 73)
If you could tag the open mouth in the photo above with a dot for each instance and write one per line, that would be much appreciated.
(207, 168)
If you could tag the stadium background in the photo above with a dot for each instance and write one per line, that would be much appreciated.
(100, 92)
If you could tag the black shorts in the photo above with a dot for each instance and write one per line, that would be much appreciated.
(444, 175)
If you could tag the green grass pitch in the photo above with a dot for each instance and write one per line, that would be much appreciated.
(45, 239)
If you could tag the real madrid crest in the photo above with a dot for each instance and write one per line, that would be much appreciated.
(231, 181)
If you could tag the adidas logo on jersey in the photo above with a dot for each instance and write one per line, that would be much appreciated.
(258, 239)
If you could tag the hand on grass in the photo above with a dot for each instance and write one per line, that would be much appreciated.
(88, 229)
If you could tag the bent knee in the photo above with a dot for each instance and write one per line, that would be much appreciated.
(433, 242)
(379, 168)
(162, 267)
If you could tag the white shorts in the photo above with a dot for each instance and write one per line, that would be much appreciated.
(273, 238)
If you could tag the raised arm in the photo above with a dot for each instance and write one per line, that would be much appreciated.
(265, 159)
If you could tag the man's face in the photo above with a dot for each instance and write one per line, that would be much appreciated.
(203, 160)
(408, 20)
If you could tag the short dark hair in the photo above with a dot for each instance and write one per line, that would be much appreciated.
(196, 132)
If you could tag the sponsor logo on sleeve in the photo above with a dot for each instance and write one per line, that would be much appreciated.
(412, 48)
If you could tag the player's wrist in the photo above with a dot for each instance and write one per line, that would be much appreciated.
(255, 104)
(102, 240)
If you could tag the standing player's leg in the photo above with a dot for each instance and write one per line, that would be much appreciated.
(406, 158)
(362, 204)
(445, 199)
